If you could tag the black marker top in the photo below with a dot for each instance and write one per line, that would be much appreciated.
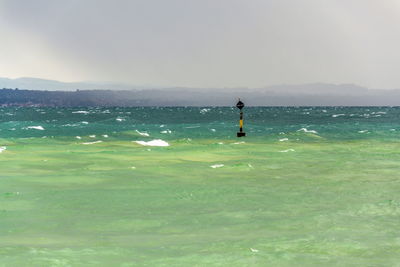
(240, 104)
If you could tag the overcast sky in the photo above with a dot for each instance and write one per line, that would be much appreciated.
(203, 43)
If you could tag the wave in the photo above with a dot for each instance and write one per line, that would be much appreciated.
(35, 127)
(217, 166)
(91, 143)
(142, 133)
(155, 142)
(288, 150)
(307, 131)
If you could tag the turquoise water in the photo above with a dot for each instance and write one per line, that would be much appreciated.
(307, 187)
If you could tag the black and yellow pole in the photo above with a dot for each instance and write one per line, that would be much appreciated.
(240, 105)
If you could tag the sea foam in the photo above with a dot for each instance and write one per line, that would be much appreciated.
(91, 143)
(287, 150)
(142, 133)
(35, 127)
(155, 142)
(217, 166)
(307, 131)
(2, 148)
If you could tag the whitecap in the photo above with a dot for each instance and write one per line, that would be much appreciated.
(283, 139)
(287, 150)
(81, 112)
(204, 110)
(105, 135)
(337, 115)
(35, 127)
(142, 133)
(213, 130)
(166, 132)
(119, 119)
(363, 131)
(92, 136)
(78, 137)
(2, 148)
(307, 131)
(238, 143)
(155, 142)
(217, 166)
(84, 122)
(91, 143)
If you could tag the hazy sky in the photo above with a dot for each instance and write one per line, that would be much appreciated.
(203, 43)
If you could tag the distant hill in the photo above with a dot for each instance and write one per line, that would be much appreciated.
(43, 84)
(298, 95)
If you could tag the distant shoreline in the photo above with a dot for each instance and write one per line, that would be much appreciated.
(336, 96)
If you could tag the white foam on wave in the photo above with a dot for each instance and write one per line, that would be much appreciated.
(287, 150)
(238, 143)
(155, 142)
(119, 119)
(78, 137)
(204, 110)
(84, 122)
(91, 143)
(217, 166)
(2, 148)
(105, 135)
(283, 139)
(337, 115)
(142, 133)
(363, 131)
(166, 132)
(307, 131)
(81, 112)
(92, 136)
(35, 127)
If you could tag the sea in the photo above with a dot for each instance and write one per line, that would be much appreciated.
(174, 186)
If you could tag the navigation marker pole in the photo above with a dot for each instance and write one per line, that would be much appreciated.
(240, 105)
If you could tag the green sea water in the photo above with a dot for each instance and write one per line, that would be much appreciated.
(307, 187)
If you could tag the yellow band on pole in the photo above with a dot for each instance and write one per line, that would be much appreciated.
(241, 123)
